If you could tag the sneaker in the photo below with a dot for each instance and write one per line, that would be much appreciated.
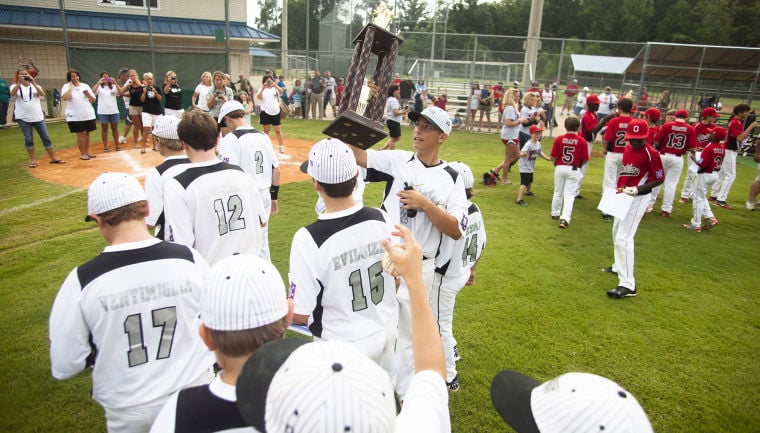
(692, 227)
(555, 217)
(750, 205)
(665, 214)
(122, 139)
(563, 224)
(139, 139)
(456, 354)
(650, 208)
(608, 270)
(521, 202)
(621, 292)
(713, 222)
(530, 194)
(724, 205)
(607, 217)
(282, 149)
(579, 197)
(684, 200)
(453, 386)
(713, 198)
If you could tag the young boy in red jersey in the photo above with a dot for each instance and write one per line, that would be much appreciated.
(569, 154)
(708, 161)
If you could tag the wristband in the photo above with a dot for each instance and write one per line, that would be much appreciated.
(273, 191)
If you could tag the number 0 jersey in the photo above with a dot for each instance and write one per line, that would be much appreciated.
(215, 208)
(133, 311)
(337, 278)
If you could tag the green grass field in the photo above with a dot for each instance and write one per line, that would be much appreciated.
(686, 347)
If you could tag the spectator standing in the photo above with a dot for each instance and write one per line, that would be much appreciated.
(269, 95)
(28, 113)
(407, 90)
(580, 102)
(108, 112)
(664, 101)
(498, 94)
(80, 115)
(548, 94)
(5, 100)
(421, 89)
(396, 79)
(245, 101)
(607, 102)
(737, 135)
(284, 95)
(643, 99)
(121, 81)
(510, 131)
(569, 153)
(330, 93)
(151, 99)
(571, 92)
(297, 96)
(218, 95)
(244, 85)
(339, 89)
(173, 95)
(134, 88)
(530, 114)
(474, 103)
(200, 95)
(394, 113)
(316, 86)
(133, 374)
(485, 104)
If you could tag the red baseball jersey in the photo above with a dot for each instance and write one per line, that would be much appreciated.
(676, 138)
(711, 157)
(703, 134)
(735, 128)
(640, 166)
(652, 134)
(588, 123)
(616, 133)
(570, 149)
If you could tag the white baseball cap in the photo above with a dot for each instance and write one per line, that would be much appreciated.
(571, 403)
(166, 127)
(331, 161)
(242, 292)
(465, 172)
(321, 387)
(227, 108)
(585, 89)
(436, 116)
(112, 190)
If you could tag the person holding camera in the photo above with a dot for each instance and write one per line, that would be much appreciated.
(134, 88)
(28, 113)
(80, 115)
(151, 99)
(218, 95)
(108, 111)
(173, 95)
(269, 95)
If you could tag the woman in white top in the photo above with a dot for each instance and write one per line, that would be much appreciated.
(201, 92)
(394, 114)
(28, 113)
(79, 112)
(108, 112)
(530, 114)
(510, 129)
(474, 102)
(269, 95)
(581, 102)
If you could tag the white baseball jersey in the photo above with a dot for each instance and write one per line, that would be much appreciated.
(133, 312)
(440, 183)
(337, 278)
(155, 180)
(426, 406)
(252, 151)
(214, 207)
(207, 408)
(466, 250)
(527, 163)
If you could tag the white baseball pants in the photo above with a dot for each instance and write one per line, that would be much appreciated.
(726, 177)
(672, 165)
(623, 233)
(689, 182)
(566, 180)
(442, 299)
(612, 164)
(701, 205)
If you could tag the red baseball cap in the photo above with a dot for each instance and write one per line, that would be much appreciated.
(592, 99)
(718, 132)
(710, 111)
(637, 128)
(683, 114)
(653, 114)
(535, 128)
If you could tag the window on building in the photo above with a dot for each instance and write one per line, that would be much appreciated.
(133, 3)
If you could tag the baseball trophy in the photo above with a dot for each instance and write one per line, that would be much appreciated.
(358, 122)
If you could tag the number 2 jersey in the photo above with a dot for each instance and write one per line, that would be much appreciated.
(133, 311)
(337, 278)
(215, 208)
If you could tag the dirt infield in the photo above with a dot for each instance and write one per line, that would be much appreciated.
(80, 174)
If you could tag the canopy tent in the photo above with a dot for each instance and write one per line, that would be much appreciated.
(600, 64)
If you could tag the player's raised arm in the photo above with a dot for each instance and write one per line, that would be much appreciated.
(360, 155)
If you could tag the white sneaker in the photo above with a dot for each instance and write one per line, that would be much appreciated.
(282, 149)
(122, 139)
(650, 208)
(750, 205)
(139, 139)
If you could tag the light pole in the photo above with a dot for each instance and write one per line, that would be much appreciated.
(432, 44)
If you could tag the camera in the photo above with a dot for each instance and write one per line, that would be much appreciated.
(751, 118)
(410, 213)
(27, 78)
(106, 80)
(173, 78)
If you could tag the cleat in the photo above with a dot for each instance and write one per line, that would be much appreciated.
(122, 139)
(608, 270)
(724, 205)
(713, 198)
(456, 354)
(750, 205)
(684, 200)
(521, 202)
(607, 217)
(563, 224)
(555, 217)
(713, 222)
(282, 149)
(579, 197)
(692, 227)
(621, 292)
(665, 214)
(453, 386)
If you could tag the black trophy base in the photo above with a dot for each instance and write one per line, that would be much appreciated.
(356, 130)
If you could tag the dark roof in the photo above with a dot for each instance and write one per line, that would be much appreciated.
(710, 62)
(112, 22)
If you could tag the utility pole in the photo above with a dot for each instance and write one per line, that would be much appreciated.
(284, 38)
(532, 45)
